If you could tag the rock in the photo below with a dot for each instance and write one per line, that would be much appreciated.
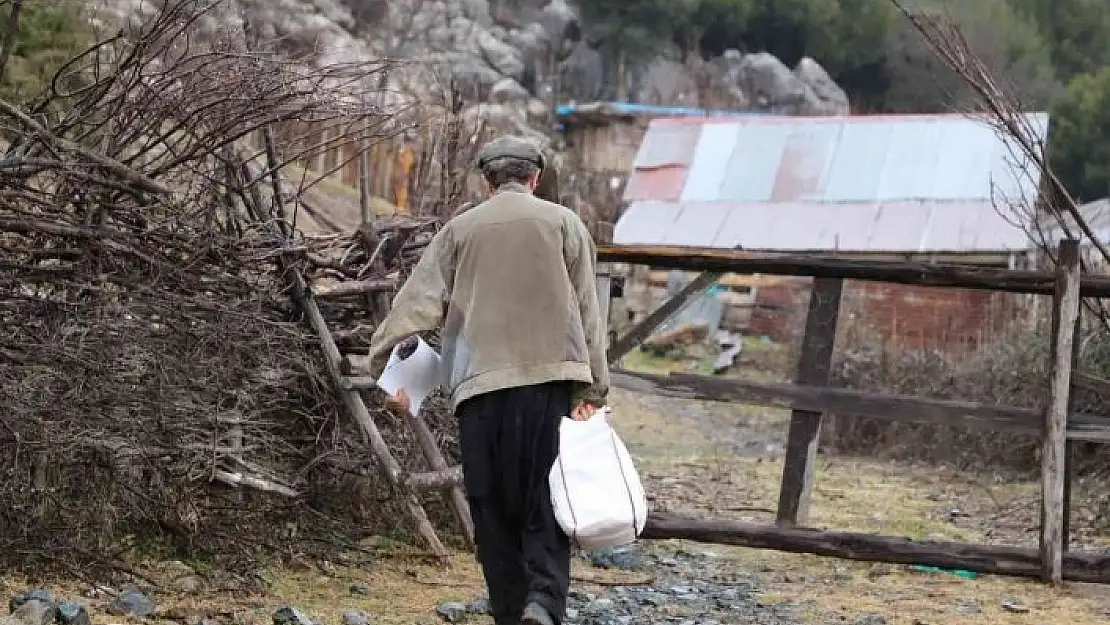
(354, 617)
(559, 22)
(36, 594)
(452, 612)
(188, 584)
(771, 85)
(831, 98)
(582, 73)
(479, 606)
(32, 612)
(70, 613)
(507, 91)
(537, 109)
(359, 588)
(291, 616)
(870, 619)
(623, 558)
(501, 56)
(131, 603)
(1011, 605)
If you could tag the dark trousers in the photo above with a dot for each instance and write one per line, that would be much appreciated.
(509, 440)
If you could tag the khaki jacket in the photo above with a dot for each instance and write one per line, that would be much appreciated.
(512, 282)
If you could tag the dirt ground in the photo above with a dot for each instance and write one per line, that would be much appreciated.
(724, 461)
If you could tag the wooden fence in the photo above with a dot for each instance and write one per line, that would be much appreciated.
(809, 397)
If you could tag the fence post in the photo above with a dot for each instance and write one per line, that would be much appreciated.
(1065, 311)
(805, 426)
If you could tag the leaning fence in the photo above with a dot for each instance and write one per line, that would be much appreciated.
(1057, 424)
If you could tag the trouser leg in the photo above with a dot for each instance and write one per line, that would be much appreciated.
(499, 554)
(509, 442)
(546, 547)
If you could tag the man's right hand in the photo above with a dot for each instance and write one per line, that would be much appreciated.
(400, 401)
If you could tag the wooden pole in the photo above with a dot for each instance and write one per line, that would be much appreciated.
(991, 559)
(352, 400)
(1053, 477)
(660, 315)
(438, 463)
(805, 425)
(364, 198)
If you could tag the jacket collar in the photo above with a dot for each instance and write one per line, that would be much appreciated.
(512, 187)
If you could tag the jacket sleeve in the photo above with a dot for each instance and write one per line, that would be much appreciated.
(581, 254)
(420, 304)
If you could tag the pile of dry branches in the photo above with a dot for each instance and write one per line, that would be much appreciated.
(154, 377)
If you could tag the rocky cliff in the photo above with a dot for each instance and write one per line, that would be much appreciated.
(513, 59)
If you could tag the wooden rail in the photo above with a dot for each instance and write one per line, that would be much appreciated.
(815, 266)
(809, 397)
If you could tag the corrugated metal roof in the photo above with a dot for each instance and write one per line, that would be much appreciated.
(868, 183)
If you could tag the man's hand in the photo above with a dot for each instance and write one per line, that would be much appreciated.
(583, 411)
(400, 401)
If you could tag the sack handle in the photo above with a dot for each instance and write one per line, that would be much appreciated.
(573, 516)
(624, 477)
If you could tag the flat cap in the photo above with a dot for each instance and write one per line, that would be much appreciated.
(511, 147)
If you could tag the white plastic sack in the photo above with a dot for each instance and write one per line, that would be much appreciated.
(598, 498)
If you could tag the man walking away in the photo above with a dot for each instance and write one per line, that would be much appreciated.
(512, 281)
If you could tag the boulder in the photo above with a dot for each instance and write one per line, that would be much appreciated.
(508, 91)
(500, 55)
(830, 99)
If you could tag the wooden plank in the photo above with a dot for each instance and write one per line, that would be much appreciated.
(1053, 450)
(353, 287)
(805, 425)
(435, 480)
(659, 316)
(352, 400)
(434, 456)
(990, 559)
(921, 274)
(849, 402)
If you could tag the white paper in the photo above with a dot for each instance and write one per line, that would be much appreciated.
(418, 375)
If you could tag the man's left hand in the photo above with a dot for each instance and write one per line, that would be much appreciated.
(583, 412)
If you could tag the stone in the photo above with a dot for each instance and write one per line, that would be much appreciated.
(831, 99)
(188, 584)
(508, 91)
(33, 612)
(1012, 605)
(35, 594)
(501, 56)
(131, 603)
(537, 109)
(70, 613)
(452, 612)
(870, 619)
(291, 616)
(559, 21)
(623, 558)
(359, 588)
(354, 617)
(479, 606)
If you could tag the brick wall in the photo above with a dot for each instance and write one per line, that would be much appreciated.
(912, 317)
(906, 317)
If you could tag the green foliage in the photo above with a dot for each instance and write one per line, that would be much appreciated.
(1008, 43)
(50, 33)
(1079, 146)
(1076, 31)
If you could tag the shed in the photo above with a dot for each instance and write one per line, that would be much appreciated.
(601, 140)
(937, 188)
